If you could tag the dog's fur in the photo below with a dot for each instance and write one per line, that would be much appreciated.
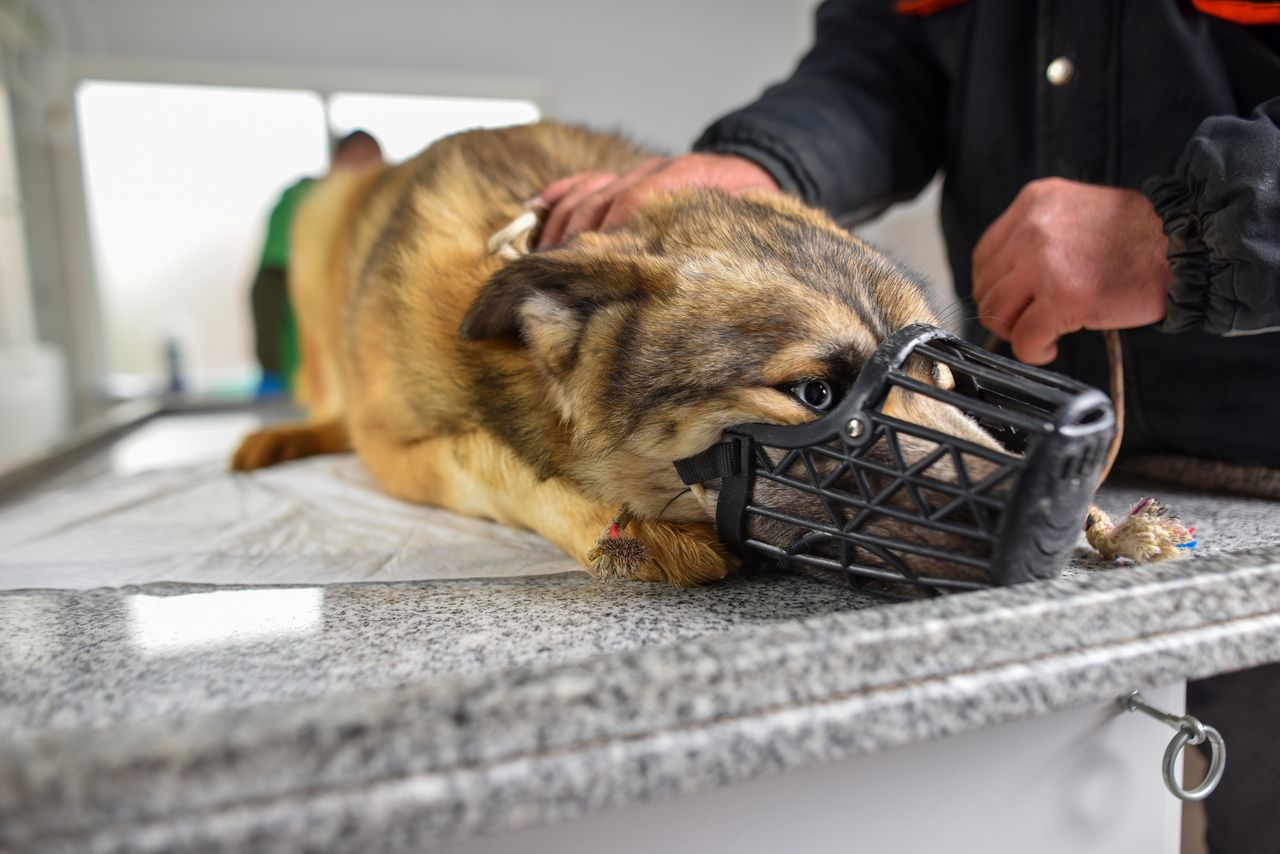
(549, 391)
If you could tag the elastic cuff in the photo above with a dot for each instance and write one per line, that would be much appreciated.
(1188, 306)
(768, 152)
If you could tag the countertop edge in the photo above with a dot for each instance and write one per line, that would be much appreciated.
(422, 809)
(449, 757)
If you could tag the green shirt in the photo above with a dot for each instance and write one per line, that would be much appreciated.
(276, 251)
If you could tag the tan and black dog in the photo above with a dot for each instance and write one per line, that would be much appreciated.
(551, 390)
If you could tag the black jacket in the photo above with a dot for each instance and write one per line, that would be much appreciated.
(1165, 98)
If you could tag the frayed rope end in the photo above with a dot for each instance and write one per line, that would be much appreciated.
(1150, 532)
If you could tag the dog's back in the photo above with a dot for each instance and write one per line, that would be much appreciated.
(385, 262)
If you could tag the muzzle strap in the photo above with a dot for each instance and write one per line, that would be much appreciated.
(720, 460)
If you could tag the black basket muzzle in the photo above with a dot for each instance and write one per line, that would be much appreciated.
(890, 496)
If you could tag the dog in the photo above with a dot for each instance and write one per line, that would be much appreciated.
(552, 390)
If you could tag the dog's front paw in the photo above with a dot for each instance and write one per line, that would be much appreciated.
(617, 554)
(278, 444)
(684, 555)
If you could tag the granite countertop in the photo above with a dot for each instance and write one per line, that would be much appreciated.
(400, 715)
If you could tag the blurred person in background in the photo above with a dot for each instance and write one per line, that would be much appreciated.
(1108, 165)
(275, 334)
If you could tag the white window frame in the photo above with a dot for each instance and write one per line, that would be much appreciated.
(88, 362)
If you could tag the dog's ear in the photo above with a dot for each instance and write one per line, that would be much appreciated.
(495, 313)
(551, 293)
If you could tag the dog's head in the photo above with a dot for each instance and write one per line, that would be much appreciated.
(707, 311)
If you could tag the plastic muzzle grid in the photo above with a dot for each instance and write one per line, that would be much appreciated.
(1009, 515)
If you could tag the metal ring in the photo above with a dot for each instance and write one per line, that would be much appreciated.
(1217, 760)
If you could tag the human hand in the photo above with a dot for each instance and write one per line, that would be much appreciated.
(599, 201)
(1067, 256)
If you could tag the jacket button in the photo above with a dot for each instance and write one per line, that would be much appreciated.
(1060, 71)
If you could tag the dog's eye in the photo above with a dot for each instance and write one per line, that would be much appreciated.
(815, 394)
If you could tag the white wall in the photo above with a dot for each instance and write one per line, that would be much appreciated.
(660, 69)
(33, 389)
(17, 320)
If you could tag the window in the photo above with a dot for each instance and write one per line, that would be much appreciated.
(180, 181)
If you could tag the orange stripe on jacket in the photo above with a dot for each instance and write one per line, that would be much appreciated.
(1238, 11)
(923, 7)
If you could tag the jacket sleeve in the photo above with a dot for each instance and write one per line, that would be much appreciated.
(1221, 210)
(858, 125)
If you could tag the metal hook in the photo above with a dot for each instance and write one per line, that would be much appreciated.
(1190, 731)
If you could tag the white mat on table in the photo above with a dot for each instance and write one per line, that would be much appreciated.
(315, 521)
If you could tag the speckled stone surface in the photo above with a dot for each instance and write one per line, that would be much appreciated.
(398, 716)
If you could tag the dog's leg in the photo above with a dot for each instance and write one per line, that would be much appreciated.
(475, 474)
(685, 554)
(285, 442)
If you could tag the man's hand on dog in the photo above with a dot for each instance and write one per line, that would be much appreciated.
(1068, 256)
(599, 201)
(1064, 256)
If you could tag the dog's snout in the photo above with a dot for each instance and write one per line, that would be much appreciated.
(902, 485)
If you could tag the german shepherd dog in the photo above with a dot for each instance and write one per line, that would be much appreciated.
(550, 391)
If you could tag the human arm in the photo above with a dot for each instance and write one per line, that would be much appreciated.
(1200, 249)
(596, 201)
(1066, 256)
